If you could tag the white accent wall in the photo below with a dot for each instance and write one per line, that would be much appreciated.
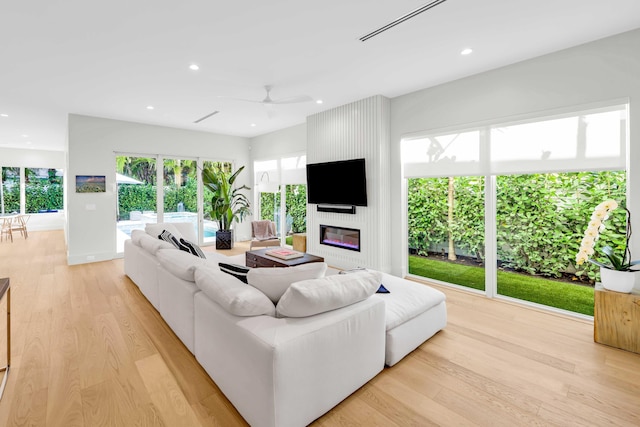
(356, 130)
(92, 145)
(590, 74)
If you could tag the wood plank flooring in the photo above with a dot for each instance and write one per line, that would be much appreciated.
(89, 350)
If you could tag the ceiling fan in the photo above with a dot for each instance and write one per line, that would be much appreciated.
(269, 101)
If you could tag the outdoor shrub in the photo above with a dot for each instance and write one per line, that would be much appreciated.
(540, 218)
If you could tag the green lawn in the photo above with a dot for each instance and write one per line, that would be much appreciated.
(289, 240)
(553, 293)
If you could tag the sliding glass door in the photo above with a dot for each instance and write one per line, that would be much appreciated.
(445, 219)
(180, 191)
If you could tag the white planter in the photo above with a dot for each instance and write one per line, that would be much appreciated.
(619, 281)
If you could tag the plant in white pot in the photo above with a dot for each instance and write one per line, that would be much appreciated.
(617, 273)
(228, 203)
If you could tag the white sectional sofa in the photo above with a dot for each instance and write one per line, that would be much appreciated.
(279, 371)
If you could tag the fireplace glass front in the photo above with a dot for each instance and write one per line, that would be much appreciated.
(340, 237)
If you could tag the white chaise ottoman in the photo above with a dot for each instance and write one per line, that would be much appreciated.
(414, 313)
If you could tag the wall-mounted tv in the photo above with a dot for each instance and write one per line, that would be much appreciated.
(337, 183)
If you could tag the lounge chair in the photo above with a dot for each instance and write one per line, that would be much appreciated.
(263, 234)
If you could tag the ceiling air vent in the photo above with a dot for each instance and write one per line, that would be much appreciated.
(401, 19)
(206, 117)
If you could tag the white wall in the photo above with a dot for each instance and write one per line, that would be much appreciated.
(15, 157)
(596, 72)
(92, 143)
(279, 143)
(356, 130)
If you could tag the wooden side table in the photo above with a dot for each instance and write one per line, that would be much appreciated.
(300, 242)
(616, 319)
(5, 289)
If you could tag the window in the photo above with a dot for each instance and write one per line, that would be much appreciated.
(446, 229)
(136, 195)
(180, 191)
(516, 198)
(10, 190)
(43, 190)
(281, 194)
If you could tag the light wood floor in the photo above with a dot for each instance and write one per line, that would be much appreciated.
(89, 350)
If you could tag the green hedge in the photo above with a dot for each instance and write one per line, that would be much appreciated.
(296, 206)
(40, 196)
(540, 220)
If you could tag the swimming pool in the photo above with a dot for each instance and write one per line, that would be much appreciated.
(210, 227)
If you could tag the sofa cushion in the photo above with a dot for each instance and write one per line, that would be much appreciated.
(381, 288)
(237, 271)
(273, 282)
(179, 263)
(136, 235)
(231, 294)
(314, 296)
(407, 299)
(153, 244)
(216, 257)
(192, 248)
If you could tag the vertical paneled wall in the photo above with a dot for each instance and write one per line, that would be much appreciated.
(356, 130)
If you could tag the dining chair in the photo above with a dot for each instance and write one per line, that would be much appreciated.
(20, 224)
(6, 229)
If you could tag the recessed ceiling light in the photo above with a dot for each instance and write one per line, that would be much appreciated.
(150, 107)
(466, 51)
(194, 67)
(319, 101)
(24, 135)
(4, 115)
(253, 125)
(29, 142)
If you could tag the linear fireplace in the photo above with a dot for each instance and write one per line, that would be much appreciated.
(340, 237)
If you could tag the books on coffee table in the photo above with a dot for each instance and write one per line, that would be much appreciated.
(283, 253)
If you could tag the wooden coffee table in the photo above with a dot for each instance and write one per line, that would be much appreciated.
(258, 258)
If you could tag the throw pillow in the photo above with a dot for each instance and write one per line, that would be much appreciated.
(231, 294)
(273, 282)
(155, 229)
(237, 271)
(381, 289)
(192, 248)
(170, 238)
(315, 296)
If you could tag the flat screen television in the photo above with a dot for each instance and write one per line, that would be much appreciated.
(337, 183)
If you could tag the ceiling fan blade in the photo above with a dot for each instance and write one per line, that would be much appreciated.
(207, 116)
(292, 100)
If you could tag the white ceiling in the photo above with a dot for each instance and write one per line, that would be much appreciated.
(113, 58)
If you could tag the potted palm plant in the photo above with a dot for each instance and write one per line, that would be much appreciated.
(228, 203)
